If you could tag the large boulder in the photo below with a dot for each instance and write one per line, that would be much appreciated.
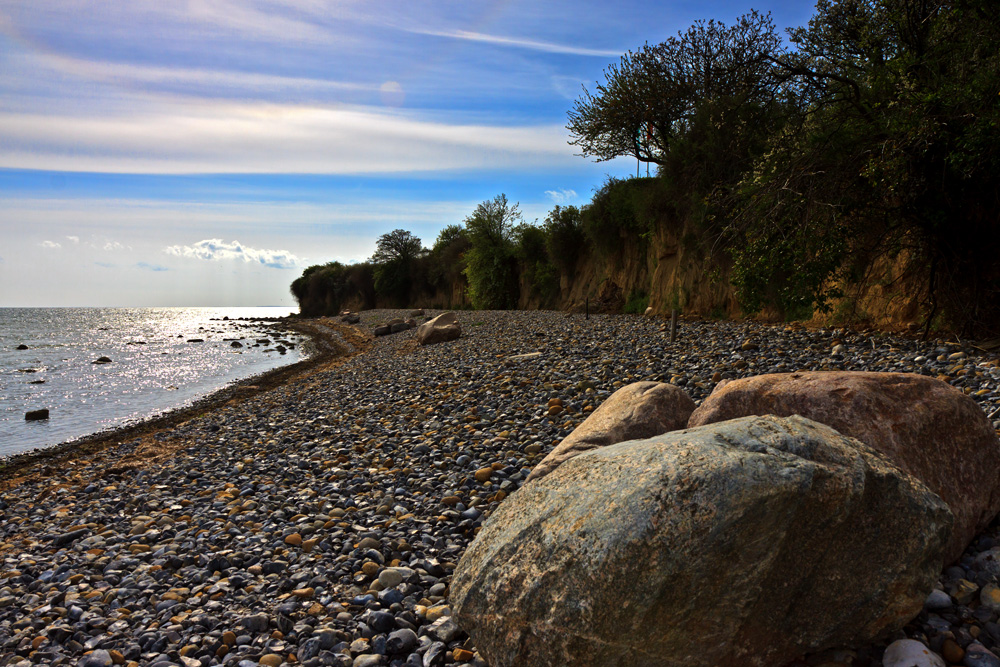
(925, 426)
(442, 328)
(748, 542)
(636, 411)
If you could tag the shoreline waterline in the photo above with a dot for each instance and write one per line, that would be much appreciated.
(328, 343)
(95, 369)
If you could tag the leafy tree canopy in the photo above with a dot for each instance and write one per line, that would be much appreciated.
(397, 245)
(651, 96)
(491, 264)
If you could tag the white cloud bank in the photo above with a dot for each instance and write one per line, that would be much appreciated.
(270, 138)
(50, 244)
(217, 249)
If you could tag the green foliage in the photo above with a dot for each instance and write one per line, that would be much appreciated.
(396, 266)
(637, 302)
(565, 241)
(624, 210)
(446, 262)
(872, 141)
(490, 261)
(324, 289)
(530, 242)
(889, 149)
(398, 245)
(651, 97)
(537, 268)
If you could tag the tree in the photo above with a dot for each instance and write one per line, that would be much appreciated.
(397, 245)
(490, 262)
(891, 159)
(323, 289)
(651, 96)
(394, 260)
(564, 239)
(447, 257)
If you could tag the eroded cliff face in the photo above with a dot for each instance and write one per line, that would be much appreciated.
(675, 270)
(671, 268)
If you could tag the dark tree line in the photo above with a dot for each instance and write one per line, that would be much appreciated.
(491, 261)
(871, 142)
(867, 151)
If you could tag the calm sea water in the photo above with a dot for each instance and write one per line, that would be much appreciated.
(153, 369)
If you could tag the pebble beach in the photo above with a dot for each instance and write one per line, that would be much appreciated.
(316, 520)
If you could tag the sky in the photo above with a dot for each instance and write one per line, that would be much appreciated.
(204, 152)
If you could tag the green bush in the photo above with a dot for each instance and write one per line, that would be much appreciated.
(565, 241)
(625, 210)
(325, 289)
(491, 261)
(531, 248)
(637, 302)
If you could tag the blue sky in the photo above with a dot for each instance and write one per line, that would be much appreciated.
(204, 152)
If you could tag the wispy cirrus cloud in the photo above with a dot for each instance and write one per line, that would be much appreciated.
(271, 138)
(217, 80)
(530, 44)
(217, 249)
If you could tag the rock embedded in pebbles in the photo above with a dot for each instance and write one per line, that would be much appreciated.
(636, 411)
(951, 651)
(443, 328)
(923, 425)
(989, 597)
(394, 576)
(256, 622)
(731, 509)
(910, 653)
(938, 600)
(402, 641)
(977, 655)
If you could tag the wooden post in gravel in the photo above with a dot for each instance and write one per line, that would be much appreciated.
(673, 325)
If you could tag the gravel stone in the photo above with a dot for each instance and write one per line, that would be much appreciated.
(393, 457)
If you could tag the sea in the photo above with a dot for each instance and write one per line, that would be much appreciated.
(156, 365)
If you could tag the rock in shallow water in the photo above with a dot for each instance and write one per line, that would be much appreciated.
(732, 544)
